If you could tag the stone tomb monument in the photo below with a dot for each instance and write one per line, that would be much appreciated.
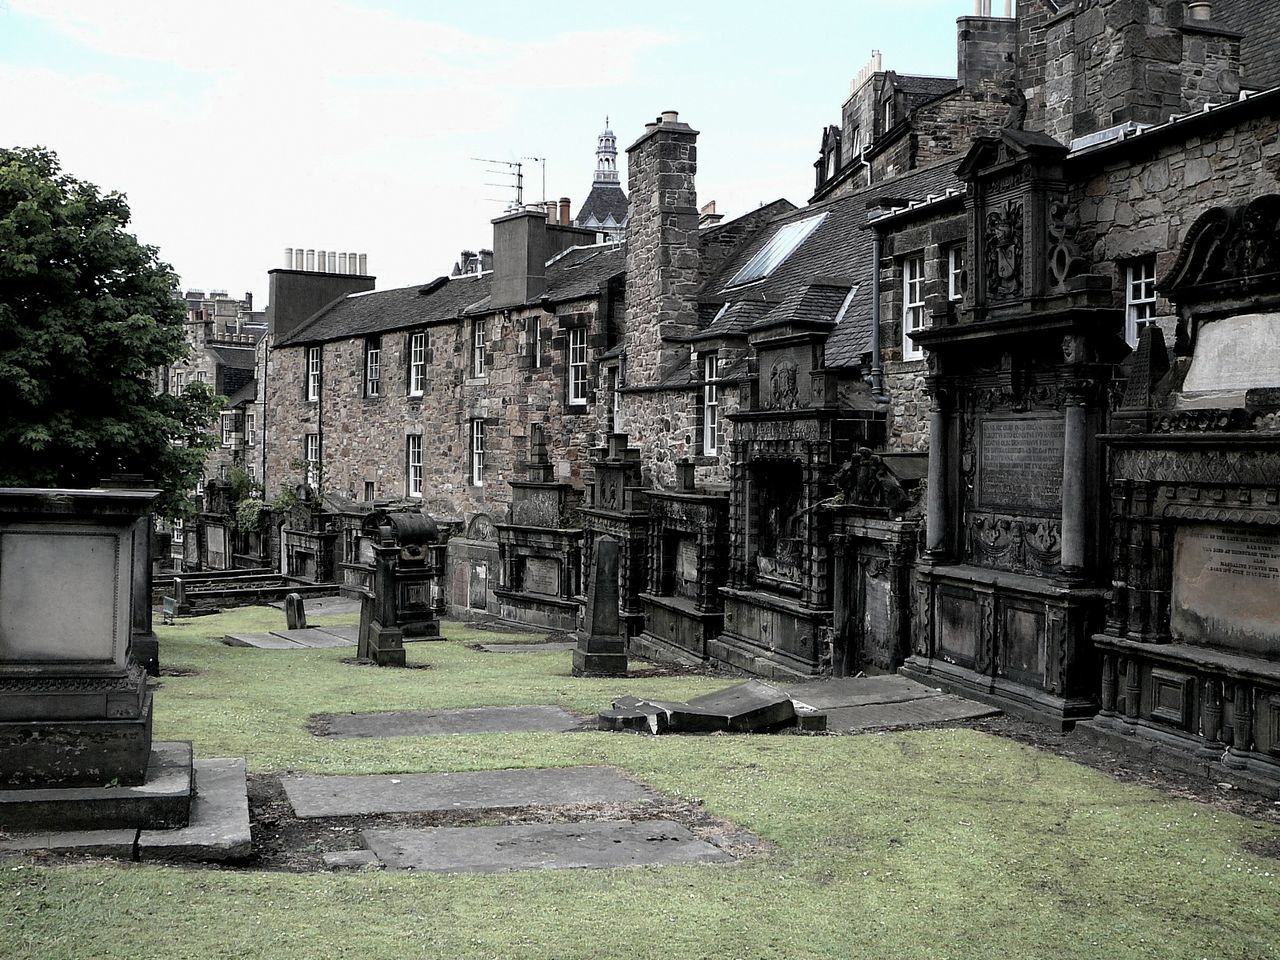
(75, 711)
(1191, 647)
(406, 597)
(602, 650)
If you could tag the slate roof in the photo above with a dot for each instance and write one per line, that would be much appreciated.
(577, 273)
(1259, 21)
(605, 199)
(921, 90)
(836, 255)
(235, 357)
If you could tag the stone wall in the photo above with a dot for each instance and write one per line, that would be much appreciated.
(1136, 205)
(1111, 61)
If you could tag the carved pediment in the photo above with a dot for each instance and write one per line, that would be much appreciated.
(1229, 247)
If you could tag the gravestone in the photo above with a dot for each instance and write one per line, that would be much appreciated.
(602, 650)
(295, 613)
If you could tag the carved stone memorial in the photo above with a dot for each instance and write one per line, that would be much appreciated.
(602, 649)
(1191, 646)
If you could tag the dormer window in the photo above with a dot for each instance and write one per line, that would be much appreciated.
(780, 246)
(888, 114)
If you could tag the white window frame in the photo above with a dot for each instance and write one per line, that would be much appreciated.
(477, 453)
(537, 341)
(228, 423)
(1139, 296)
(955, 272)
(616, 410)
(201, 376)
(578, 366)
(179, 382)
(413, 464)
(370, 491)
(250, 429)
(417, 363)
(311, 458)
(710, 403)
(913, 317)
(251, 472)
(478, 347)
(373, 368)
(313, 374)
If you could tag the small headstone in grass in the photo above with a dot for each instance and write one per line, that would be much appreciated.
(295, 614)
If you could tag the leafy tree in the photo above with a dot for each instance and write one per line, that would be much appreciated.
(87, 317)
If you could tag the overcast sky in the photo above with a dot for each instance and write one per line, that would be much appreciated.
(240, 128)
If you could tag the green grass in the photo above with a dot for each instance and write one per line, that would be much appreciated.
(947, 843)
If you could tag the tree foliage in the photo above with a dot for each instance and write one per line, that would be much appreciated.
(87, 317)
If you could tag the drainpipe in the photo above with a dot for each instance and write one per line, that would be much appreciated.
(877, 368)
(862, 157)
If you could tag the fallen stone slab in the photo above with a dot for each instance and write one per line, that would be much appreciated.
(943, 708)
(314, 637)
(527, 647)
(742, 708)
(538, 846)
(351, 859)
(219, 826)
(436, 723)
(858, 691)
(260, 641)
(90, 843)
(483, 790)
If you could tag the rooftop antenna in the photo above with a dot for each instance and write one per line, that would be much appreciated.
(515, 171)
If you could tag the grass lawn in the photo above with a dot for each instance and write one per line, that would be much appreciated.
(945, 843)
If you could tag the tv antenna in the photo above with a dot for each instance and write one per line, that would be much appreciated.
(513, 173)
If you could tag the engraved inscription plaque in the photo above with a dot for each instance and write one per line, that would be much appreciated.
(542, 575)
(1020, 465)
(1226, 587)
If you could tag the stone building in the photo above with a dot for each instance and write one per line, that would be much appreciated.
(433, 393)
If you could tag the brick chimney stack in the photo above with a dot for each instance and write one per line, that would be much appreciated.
(663, 257)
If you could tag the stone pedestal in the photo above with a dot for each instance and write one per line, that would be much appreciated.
(602, 650)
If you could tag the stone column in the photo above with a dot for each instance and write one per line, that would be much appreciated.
(936, 500)
(1074, 458)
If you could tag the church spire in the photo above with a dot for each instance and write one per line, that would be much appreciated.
(606, 156)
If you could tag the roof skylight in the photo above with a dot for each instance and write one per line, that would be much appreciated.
(780, 246)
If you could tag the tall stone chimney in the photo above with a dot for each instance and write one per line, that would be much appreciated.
(663, 257)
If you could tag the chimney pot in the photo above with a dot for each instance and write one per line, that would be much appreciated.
(311, 259)
(333, 261)
(1200, 10)
(669, 116)
(564, 211)
(342, 263)
(288, 258)
(299, 258)
(363, 261)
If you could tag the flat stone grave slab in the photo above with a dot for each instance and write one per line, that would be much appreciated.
(538, 846)
(741, 708)
(942, 708)
(483, 790)
(219, 826)
(435, 723)
(858, 691)
(347, 631)
(527, 647)
(309, 638)
(261, 641)
(315, 637)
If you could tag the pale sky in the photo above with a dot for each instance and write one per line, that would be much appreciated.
(240, 128)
